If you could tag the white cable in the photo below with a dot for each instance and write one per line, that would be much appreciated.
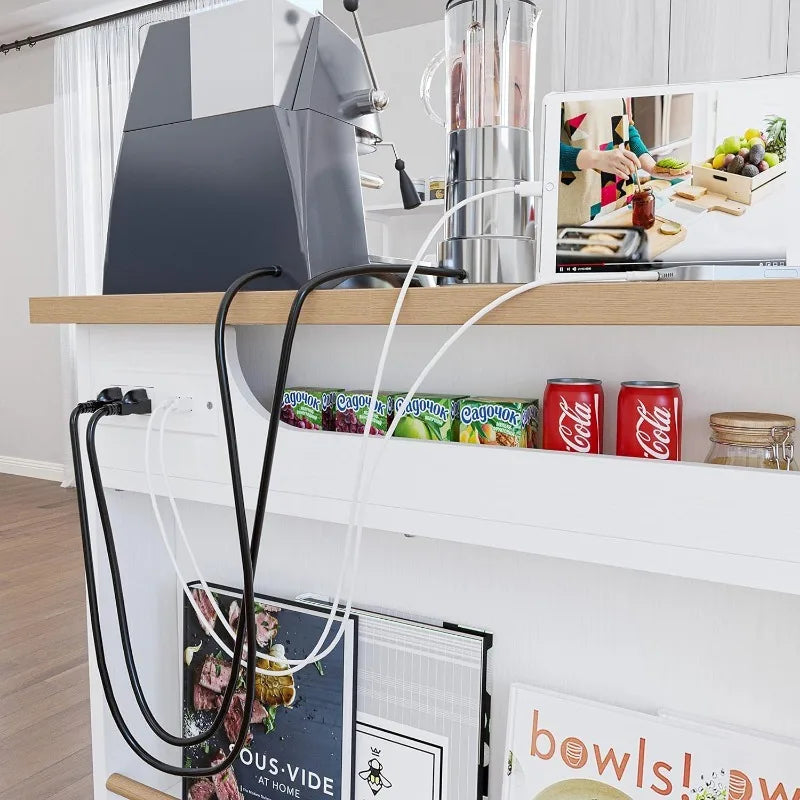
(300, 663)
(354, 522)
(167, 407)
(355, 505)
(316, 653)
(479, 315)
(355, 527)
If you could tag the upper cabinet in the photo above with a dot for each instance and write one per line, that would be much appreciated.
(549, 61)
(728, 39)
(617, 43)
(550, 48)
(794, 36)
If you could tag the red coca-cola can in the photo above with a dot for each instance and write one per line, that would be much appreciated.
(650, 420)
(573, 415)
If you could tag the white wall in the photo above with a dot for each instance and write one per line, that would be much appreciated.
(31, 418)
(399, 59)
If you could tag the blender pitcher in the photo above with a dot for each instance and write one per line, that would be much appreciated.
(490, 61)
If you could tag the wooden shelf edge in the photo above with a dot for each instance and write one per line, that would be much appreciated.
(724, 303)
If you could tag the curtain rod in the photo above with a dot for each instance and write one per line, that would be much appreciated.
(30, 41)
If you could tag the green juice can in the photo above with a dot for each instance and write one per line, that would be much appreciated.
(505, 422)
(428, 416)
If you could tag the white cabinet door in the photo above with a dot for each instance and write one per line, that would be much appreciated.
(550, 57)
(616, 43)
(794, 36)
(728, 39)
(549, 60)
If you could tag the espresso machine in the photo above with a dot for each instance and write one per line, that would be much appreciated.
(490, 64)
(241, 151)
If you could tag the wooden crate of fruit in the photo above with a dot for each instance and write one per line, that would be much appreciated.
(741, 188)
(741, 166)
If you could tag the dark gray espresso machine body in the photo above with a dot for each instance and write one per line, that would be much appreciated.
(240, 152)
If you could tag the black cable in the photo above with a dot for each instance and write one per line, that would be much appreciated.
(249, 550)
(248, 609)
(94, 616)
(122, 615)
(116, 579)
(283, 369)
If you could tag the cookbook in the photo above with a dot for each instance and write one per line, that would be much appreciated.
(565, 748)
(424, 708)
(302, 726)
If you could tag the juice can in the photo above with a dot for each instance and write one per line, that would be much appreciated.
(428, 416)
(507, 422)
(309, 408)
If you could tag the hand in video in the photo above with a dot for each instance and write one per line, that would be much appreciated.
(621, 163)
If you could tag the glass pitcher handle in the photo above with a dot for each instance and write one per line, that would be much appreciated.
(425, 87)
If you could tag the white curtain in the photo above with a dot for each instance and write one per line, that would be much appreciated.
(94, 72)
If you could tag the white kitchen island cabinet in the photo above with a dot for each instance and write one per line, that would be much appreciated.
(716, 40)
(651, 586)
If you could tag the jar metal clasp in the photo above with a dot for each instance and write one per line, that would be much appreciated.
(782, 448)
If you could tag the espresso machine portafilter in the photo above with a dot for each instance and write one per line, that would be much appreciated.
(490, 63)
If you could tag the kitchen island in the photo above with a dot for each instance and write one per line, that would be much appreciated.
(643, 584)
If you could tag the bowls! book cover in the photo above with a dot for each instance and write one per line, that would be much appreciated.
(565, 748)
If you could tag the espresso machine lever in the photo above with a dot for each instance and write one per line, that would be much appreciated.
(377, 99)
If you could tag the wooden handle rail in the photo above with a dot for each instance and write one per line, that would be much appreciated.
(133, 790)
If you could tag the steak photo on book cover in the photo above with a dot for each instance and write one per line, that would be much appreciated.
(300, 742)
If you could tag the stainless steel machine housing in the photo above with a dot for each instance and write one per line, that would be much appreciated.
(240, 151)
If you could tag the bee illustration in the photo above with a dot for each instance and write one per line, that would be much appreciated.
(374, 776)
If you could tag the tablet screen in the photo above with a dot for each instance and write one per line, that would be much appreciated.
(705, 174)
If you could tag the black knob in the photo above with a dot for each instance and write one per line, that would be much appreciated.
(351, 6)
(408, 191)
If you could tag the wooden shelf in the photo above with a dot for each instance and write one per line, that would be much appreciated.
(752, 303)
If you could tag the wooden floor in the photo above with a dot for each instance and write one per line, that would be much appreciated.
(44, 693)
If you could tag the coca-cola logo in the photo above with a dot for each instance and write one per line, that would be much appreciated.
(653, 431)
(575, 426)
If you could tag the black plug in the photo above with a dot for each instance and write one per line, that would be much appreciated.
(110, 395)
(136, 401)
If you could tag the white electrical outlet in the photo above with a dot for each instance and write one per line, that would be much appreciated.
(197, 408)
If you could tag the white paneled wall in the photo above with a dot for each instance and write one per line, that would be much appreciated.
(616, 43)
(550, 57)
(728, 39)
(794, 36)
